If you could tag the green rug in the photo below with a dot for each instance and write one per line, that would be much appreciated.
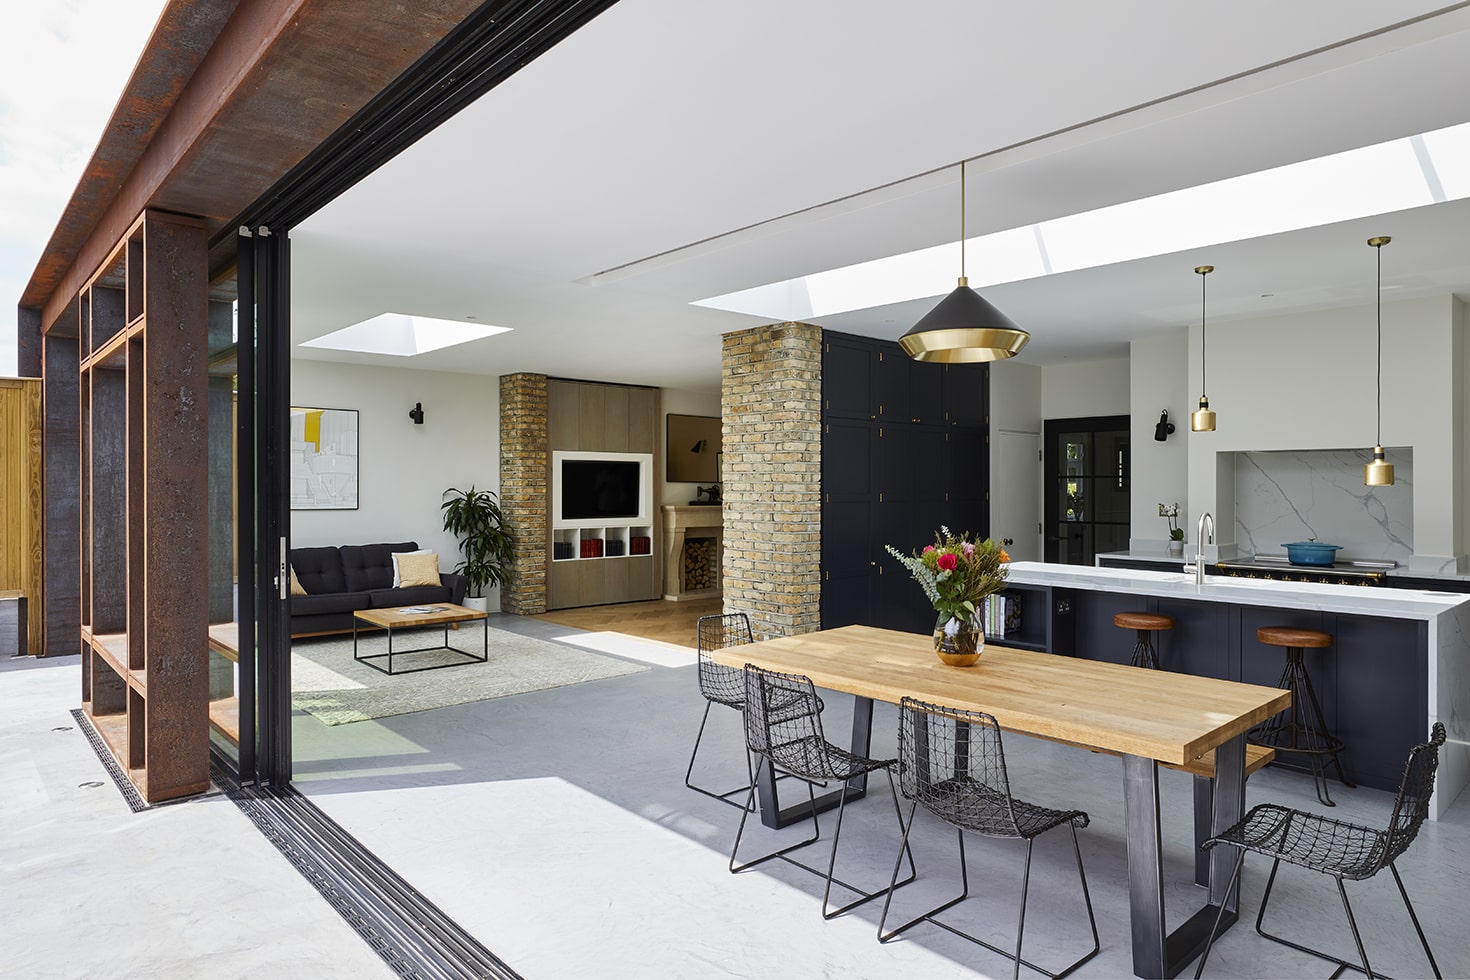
(337, 690)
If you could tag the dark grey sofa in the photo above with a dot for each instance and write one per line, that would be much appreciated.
(357, 576)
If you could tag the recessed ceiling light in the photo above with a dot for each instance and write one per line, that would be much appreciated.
(401, 335)
(1371, 180)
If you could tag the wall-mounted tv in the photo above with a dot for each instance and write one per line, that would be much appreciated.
(600, 489)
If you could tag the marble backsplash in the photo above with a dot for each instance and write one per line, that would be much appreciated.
(1319, 494)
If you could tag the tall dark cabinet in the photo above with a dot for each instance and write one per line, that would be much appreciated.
(905, 449)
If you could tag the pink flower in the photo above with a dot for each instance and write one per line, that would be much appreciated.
(928, 548)
(968, 548)
(948, 561)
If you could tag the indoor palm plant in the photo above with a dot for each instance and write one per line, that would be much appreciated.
(957, 576)
(475, 519)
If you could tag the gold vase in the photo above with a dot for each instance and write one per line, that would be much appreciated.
(958, 641)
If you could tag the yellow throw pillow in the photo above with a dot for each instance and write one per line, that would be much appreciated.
(418, 570)
(296, 587)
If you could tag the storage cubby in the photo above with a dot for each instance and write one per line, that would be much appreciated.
(144, 499)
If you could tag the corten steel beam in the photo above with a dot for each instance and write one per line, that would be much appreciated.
(277, 79)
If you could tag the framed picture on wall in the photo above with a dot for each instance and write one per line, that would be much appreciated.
(323, 459)
(693, 449)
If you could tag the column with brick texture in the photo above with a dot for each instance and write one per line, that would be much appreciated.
(523, 489)
(771, 388)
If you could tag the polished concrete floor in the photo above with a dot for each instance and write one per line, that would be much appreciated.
(555, 826)
(94, 890)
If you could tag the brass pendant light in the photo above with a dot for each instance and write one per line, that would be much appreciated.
(963, 328)
(1202, 420)
(1379, 471)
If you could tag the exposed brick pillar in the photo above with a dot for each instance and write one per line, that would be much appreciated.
(771, 388)
(523, 496)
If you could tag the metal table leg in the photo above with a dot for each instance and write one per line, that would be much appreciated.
(1155, 955)
(855, 789)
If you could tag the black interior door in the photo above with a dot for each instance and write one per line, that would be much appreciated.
(1087, 474)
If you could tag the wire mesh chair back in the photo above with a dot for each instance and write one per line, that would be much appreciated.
(1411, 807)
(951, 762)
(716, 681)
(783, 722)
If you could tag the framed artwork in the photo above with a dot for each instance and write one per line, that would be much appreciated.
(693, 449)
(323, 459)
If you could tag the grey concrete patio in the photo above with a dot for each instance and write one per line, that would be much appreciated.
(94, 890)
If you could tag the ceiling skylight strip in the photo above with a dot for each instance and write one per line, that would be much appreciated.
(1380, 179)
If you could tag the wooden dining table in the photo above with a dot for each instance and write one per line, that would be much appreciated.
(1147, 717)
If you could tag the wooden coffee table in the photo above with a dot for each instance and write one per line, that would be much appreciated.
(397, 617)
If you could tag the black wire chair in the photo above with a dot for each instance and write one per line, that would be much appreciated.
(951, 762)
(1346, 851)
(783, 729)
(720, 685)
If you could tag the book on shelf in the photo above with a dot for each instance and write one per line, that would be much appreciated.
(1002, 615)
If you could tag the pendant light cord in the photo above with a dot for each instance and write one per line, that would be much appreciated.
(1378, 441)
(962, 219)
(1203, 360)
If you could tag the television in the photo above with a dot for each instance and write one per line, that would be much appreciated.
(600, 489)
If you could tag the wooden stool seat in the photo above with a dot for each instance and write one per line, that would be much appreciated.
(1143, 621)
(1291, 636)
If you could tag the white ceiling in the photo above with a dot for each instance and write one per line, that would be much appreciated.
(670, 151)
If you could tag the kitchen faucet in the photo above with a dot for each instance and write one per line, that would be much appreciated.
(1199, 541)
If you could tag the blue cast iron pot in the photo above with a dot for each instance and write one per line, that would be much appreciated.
(1311, 553)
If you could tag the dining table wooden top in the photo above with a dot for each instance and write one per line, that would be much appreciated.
(1161, 715)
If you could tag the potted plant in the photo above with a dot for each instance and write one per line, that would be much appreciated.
(1176, 533)
(475, 519)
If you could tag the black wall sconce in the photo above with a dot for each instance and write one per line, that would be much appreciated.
(417, 413)
(1164, 429)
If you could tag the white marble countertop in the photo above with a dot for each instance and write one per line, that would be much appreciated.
(1347, 599)
(1400, 572)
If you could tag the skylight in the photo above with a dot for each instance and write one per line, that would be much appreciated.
(402, 335)
(1379, 179)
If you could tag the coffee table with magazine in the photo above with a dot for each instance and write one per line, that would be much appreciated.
(442, 614)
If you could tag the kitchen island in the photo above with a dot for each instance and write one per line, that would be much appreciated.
(1399, 662)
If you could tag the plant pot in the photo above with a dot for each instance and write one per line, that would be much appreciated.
(478, 603)
(1176, 549)
(958, 642)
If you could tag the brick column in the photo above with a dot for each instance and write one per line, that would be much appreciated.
(523, 491)
(771, 388)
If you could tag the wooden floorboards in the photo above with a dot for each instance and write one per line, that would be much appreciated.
(659, 619)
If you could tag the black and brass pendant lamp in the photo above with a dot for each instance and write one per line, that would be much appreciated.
(1379, 472)
(964, 328)
(1202, 419)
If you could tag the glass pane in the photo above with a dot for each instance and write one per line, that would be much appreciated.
(1074, 499)
(1110, 537)
(1075, 453)
(1074, 544)
(223, 654)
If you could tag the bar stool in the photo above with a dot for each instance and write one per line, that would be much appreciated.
(1306, 733)
(1147, 624)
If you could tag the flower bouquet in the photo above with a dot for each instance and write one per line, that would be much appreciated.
(957, 575)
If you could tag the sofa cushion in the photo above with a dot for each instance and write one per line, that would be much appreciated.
(319, 570)
(369, 566)
(417, 570)
(336, 602)
(416, 595)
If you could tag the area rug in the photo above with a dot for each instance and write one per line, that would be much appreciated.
(337, 690)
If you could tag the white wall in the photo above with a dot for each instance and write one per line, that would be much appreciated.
(1158, 380)
(680, 401)
(404, 468)
(1306, 381)
(1085, 389)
